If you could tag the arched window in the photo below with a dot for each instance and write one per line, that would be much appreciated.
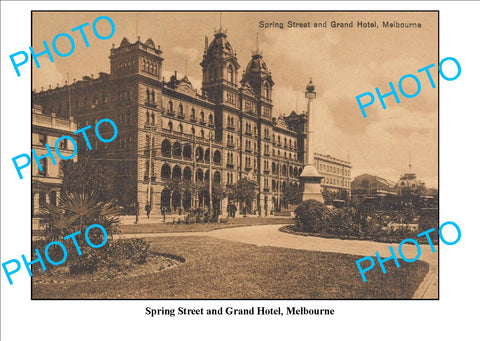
(166, 148)
(193, 114)
(177, 172)
(187, 151)
(199, 175)
(166, 172)
(268, 91)
(153, 118)
(180, 109)
(199, 154)
(180, 128)
(177, 150)
(187, 173)
(217, 157)
(170, 107)
(230, 73)
(202, 117)
(170, 126)
(210, 119)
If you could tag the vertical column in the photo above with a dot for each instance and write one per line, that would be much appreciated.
(36, 203)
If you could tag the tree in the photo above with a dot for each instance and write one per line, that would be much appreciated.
(76, 211)
(292, 195)
(328, 196)
(86, 176)
(218, 191)
(243, 190)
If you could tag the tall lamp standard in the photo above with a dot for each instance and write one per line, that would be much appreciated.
(210, 177)
(310, 178)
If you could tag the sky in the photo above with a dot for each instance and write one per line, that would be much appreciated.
(342, 62)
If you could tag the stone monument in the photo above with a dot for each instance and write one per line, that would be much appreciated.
(310, 178)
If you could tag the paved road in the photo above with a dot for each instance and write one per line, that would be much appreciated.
(269, 235)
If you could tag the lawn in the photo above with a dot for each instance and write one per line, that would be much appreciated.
(219, 269)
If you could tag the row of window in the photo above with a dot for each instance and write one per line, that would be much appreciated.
(332, 169)
(336, 182)
(181, 112)
(148, 65)
(126, 65)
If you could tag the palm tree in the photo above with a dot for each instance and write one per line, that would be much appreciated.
(76, 211)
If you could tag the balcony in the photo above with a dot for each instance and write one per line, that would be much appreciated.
(230, 145)
(248, 167)
(170, 113)
(230, 164)
(267, 138)
(248, 133)
(181, 116)
(193, 119)
(202, 122)
(266, 171)
(150, 104)
(248, 149)
(230, 127)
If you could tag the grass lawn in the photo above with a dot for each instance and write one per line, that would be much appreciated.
(232, 222)
(219, 269)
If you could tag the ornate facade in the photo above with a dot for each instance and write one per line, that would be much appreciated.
(47, 182)
(169, 130)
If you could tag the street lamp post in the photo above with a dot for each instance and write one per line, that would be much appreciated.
(150, 166)
(210, 194)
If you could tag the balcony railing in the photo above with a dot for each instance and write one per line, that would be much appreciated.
(150, 104)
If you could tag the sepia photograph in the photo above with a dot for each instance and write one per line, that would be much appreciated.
(235, 155)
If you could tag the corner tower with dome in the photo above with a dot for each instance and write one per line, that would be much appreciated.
(164, 124)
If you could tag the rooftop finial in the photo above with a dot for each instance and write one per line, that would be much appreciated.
(220, 30)
(257, 51)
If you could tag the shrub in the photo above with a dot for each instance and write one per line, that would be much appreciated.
(428, 219)
(312, 216)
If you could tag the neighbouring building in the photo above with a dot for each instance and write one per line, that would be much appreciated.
(47, 128)
(368, 186)
(165, 126)
(409, 184)
(335, 172)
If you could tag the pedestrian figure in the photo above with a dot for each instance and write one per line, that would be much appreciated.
(137, 212)
(148, 208)
(164, 212)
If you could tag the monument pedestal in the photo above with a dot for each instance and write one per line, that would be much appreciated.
(311, 182)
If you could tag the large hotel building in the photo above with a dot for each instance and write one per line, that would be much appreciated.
(169, 130)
